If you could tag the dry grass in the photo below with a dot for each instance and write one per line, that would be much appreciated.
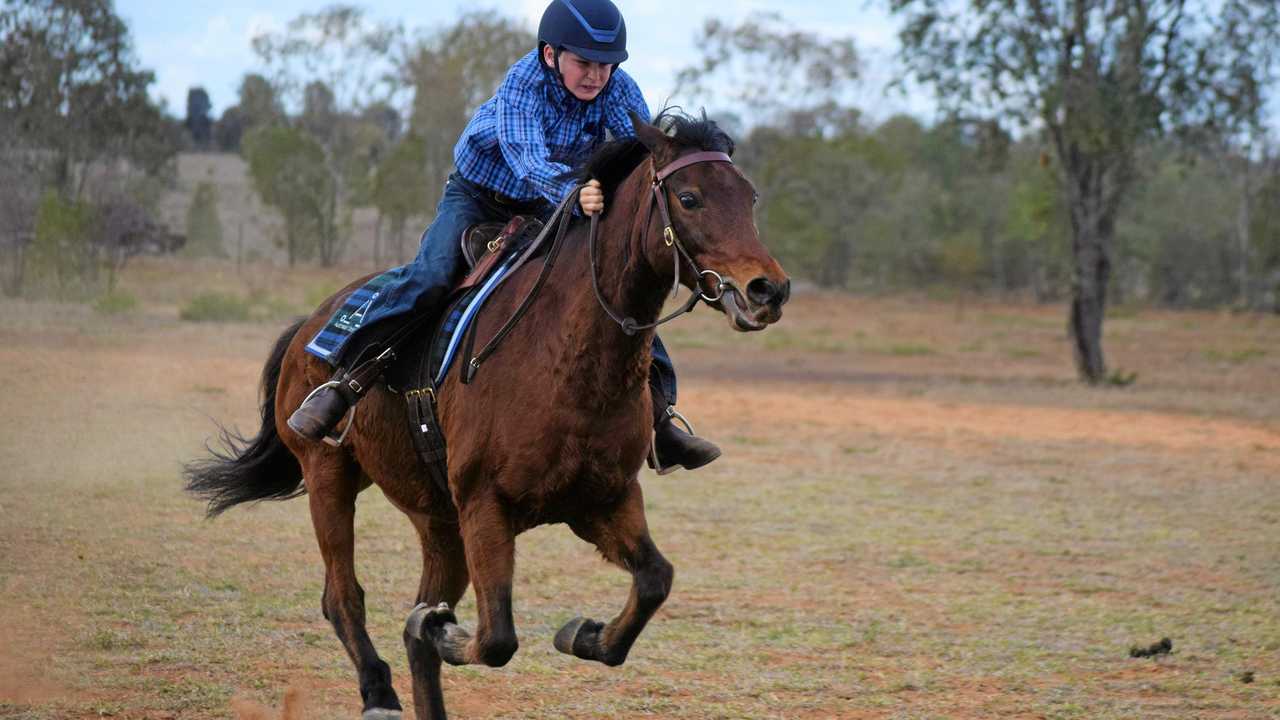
(919, 514)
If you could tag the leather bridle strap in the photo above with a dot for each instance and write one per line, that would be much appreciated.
(629, 325)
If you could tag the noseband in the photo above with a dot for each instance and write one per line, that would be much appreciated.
(669, 236)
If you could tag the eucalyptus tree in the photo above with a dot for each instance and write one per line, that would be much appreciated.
(334, 64)
(452, 71)
(1098, 78)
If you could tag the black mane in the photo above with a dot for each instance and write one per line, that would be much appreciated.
(613, 161)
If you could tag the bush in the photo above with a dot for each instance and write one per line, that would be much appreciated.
(116, 303)
(215, 307)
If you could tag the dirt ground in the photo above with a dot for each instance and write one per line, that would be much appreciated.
(919, 514)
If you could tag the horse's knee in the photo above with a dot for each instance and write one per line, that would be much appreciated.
(653, 584)
(497, 651)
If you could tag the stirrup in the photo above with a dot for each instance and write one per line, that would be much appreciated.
(330, 439)
(672, 415)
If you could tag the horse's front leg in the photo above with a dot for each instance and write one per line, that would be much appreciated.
(622, 535)
(490, 549)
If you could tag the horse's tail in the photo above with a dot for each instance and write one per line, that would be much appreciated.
(246, 470)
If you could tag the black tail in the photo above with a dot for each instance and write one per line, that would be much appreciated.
(250, 470)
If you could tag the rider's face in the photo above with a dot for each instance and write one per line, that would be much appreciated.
(583, 78)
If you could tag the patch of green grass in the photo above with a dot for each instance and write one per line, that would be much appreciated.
(216, 307)
(1235, 357)
(116, 303)
(1123, 312)
(1021, 353)
(1121, 377)
(820, 340)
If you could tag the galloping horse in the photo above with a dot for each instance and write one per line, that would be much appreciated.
(554, 430)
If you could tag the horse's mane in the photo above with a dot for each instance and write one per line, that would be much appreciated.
(613, 161)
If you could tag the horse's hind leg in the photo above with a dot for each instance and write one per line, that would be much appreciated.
(332, 487)
(622, 536)
(444, 580)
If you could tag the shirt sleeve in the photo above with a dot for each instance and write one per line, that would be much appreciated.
(523, 145)
(627, 99)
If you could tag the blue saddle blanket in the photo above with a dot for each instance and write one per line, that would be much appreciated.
(461, 313)
(350, 317)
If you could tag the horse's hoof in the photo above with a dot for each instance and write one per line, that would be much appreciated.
(579, 638)
(423, 617)
(381, 714)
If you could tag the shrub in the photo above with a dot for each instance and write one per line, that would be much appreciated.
(215, 307)
(116, 303)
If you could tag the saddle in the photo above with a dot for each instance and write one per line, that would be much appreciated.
(493, 252)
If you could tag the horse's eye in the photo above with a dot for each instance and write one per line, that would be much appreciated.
(755, 198)
(688, 200)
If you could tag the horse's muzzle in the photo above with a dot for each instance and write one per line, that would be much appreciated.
(758, 307)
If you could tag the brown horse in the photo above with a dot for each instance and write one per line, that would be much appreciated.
(554, 429)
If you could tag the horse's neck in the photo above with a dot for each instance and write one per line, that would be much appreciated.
(627, 283)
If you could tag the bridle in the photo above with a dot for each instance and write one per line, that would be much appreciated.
(658, 199)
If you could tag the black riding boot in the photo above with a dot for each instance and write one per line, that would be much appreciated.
(674, 448)
(328, 403)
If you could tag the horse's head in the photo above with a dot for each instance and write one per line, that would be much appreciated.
(706, 203)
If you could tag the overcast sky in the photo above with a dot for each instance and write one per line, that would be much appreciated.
(188, 44)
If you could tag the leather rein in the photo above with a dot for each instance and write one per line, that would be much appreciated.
(658, 198)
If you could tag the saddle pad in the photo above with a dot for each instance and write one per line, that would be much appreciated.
(349, 317)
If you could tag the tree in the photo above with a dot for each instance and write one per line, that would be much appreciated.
(289, 173)
(70, 88)
(204, 227)
(452, 72)
(198, 123)
(401, 189)
(1099, 78)
(767, 67)
(335, 60)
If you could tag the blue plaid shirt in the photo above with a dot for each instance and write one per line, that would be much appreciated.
(533, 129)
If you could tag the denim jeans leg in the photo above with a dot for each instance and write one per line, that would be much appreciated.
(662, 373)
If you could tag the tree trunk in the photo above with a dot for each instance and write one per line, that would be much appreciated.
(1089, 300)
(1243, 221)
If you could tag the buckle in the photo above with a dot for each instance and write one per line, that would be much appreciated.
(419, 392)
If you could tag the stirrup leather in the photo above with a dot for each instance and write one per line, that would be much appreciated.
(672, 415)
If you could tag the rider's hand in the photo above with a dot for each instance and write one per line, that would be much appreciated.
(591, 198)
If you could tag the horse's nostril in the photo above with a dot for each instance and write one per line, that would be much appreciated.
(761, 291)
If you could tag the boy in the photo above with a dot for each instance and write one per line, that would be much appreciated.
(554, 107)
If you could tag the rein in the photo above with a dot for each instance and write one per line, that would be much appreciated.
(658, 198)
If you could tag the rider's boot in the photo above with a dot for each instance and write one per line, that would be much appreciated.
(673, 448)
(329, 402)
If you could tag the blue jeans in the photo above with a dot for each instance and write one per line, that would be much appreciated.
(423, 284)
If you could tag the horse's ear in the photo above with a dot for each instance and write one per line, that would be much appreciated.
(652, 137)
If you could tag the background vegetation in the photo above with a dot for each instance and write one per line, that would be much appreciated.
(1097, 152)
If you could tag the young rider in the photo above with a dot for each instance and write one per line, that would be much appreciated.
(555, 105)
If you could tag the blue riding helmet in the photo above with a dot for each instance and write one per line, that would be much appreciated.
(592, 29)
